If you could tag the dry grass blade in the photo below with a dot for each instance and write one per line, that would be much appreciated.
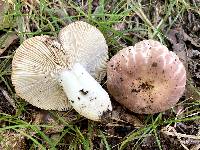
(8, 97)
(171, 131)
(175, 23)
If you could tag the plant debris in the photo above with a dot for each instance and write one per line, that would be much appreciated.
(123, 23)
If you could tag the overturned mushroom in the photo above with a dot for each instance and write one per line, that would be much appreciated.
(53, 75)
(146, 78)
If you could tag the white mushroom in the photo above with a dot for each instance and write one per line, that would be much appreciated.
(85, 44)
(47, 74)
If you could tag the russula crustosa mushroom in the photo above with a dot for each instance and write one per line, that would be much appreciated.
(55, 74)
(146, 78)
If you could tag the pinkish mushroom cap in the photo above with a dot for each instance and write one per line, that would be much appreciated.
(146, 78)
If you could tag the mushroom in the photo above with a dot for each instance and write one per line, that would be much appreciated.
(55, 75)
(146, 78)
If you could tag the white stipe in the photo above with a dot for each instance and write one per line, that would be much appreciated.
(85, 94)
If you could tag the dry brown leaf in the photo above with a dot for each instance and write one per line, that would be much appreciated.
(177, 38)
(120, 115)
(178, 45)
(6, 41)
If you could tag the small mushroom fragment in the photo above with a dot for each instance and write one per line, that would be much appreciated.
(53, 76)
(146, 78)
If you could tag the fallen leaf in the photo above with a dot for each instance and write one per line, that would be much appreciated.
(178, 44)
(120, 115)
(6, 40)
(177, 37)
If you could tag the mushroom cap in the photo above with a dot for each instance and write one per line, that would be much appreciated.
(34, 68)
(39, 60)
(86, 45)
(146, 78)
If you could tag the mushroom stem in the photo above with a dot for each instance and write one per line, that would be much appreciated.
(85, 94)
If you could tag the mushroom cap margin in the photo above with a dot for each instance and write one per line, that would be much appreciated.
(146, 78)
(34, 68)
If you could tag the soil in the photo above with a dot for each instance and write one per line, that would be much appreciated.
(183, 38)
